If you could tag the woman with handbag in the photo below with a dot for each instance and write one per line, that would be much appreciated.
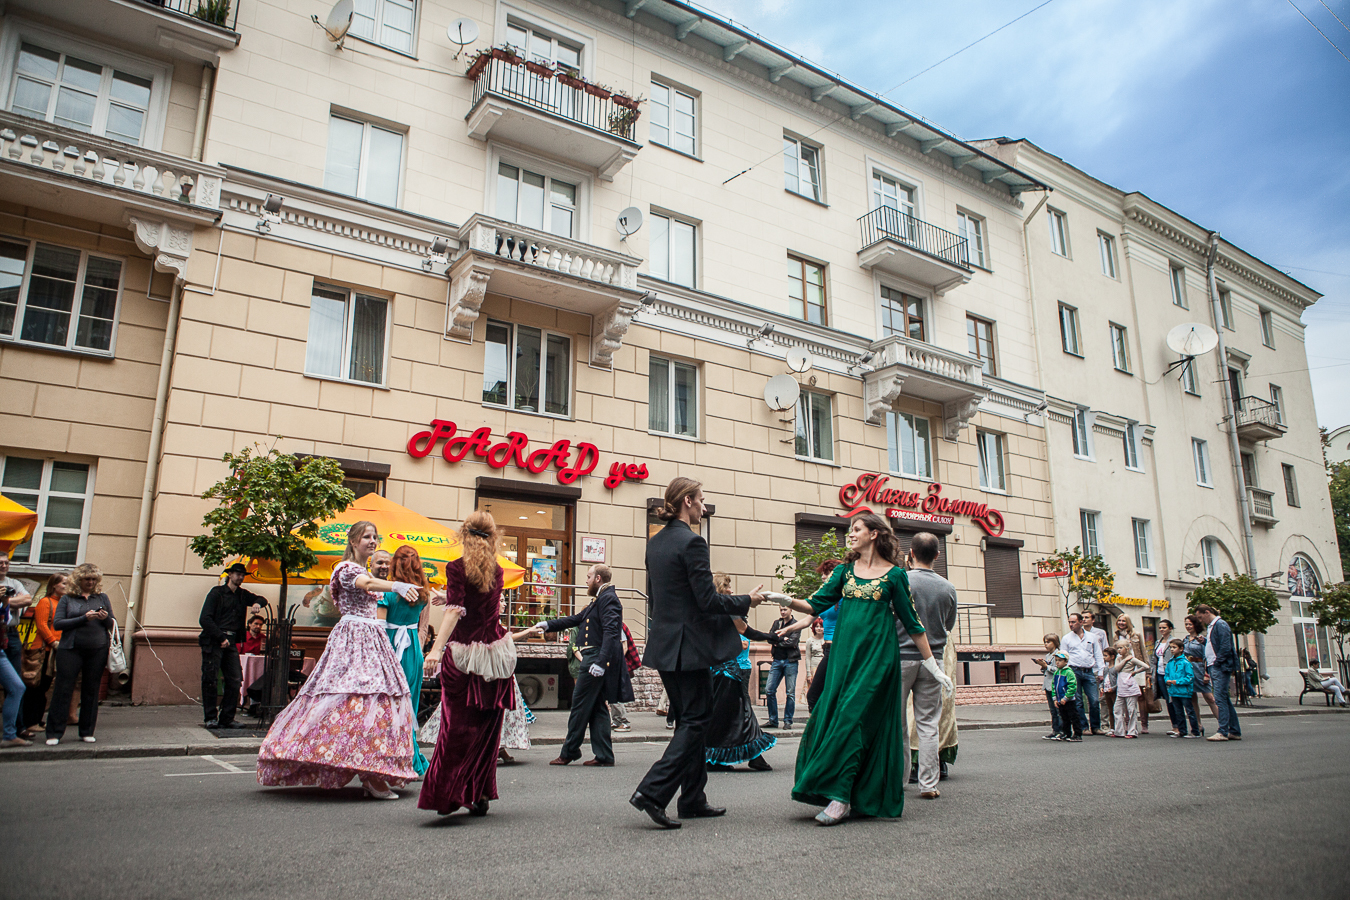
(39, 657)
(84, 618)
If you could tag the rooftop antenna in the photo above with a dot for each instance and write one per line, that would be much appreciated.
(462, 32)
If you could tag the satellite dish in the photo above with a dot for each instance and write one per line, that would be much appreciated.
(1192, 339)
(781, 392)
(629, 221)
(799, 361)
(339, 21)
(462, 32)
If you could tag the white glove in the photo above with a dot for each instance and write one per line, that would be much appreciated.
(406, 591)
(542, 626)
(596, 671)
(931, 666)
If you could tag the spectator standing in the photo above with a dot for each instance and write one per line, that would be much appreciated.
(786, 654)
(44, 643)
(812, 650)
(1125, 632)
(1068, 699)
(1048, 668)
(1221, 661)
(222, 621)
(1128, 692)
(15, 596)
(1162, 655)
(1108, 691)
(1085, 658)
(1179, 677)
(1194, 642)
(935, 602)
(84, 618)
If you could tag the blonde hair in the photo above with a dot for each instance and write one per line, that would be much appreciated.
(354, 534)
(1125, 648)
(478, 536)
(722, 582)
(1129, 624)
(87, 570)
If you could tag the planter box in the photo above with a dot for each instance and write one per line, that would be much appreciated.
(596, 90)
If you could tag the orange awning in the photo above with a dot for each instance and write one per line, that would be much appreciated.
(17, 523)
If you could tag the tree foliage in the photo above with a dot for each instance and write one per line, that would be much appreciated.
(1240, 601)
(1091, 579)
(1339, 486)
(798, 569)
(1333, 612)
(269, 504)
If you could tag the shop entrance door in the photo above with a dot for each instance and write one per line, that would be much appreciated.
(536, 536)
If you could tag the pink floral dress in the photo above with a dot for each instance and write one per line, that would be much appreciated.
(353, 716)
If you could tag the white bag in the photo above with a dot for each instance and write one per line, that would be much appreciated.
(117, 658)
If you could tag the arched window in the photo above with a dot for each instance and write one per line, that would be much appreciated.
(1304, 587)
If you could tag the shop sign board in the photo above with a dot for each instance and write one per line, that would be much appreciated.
(1052, 568)
(980, 656)
(1115, 600)
(929, 506)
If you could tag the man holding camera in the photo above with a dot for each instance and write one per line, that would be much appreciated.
(223, 614)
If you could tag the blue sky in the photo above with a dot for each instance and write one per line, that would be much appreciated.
(1234, 113)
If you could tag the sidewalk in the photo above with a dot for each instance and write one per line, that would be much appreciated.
(146, 731)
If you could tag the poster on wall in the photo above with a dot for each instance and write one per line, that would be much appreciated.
(593, 549)
(544, 572)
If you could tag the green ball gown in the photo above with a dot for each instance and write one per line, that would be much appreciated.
(404, 616)
(853, 748)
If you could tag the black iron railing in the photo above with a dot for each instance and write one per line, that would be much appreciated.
(1255, 411)
(889, 224)
(221, 13)
(542, 88)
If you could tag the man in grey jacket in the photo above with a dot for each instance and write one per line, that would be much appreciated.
(935, 602)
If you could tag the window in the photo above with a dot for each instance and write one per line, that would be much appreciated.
(1082, 433)
(815, 431)
(1235, 383)
(801, 168)
(901, 314)
(1226, 309)
(1107, 245)
(364, 160)
(673, 251)
(1209, 557)
(1268, 328)
(57, 296)
(385, 22)
(66, 90)
(1304, 586)
(673, 118)
(1068, 329)
(908, 445)
(1142, 559)
(980, 343)
(672, 397)
(1249, 469)
(1059, 232)
(1120, 350)
(1190, 382)
(1277, 401)
(536, 201)
(1131, 441)
(61, 493)
(1089, 521)
(1200, 450)
(992, 477)
(806, 290)
(346, 335)
(972, 229)
(543, 47)
(524, 365)
(1178, 281)
(1290, 485)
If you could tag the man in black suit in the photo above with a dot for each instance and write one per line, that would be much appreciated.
(690, 631)
(603, 678)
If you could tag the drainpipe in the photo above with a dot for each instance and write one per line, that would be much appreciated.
(152, 469)
(203, 107)
(1230, 417)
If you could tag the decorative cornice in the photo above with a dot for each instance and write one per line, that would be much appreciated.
(336, 225)
(608, 331)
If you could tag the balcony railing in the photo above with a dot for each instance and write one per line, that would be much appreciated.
(889, 224)
(540, 87)
(221, 13)
(1263, 505)
(917, 355)
(1257, 419)
(548, 251)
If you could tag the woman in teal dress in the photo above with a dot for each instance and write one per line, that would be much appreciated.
(851, 756)
(405, 624)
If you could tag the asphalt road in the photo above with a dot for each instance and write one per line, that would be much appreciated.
(1107, 819)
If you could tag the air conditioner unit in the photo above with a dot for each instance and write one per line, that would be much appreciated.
(539, 691)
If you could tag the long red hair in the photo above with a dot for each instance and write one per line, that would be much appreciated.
(478, 535)
(407, 566)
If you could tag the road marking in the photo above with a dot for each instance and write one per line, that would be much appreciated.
(230, 769)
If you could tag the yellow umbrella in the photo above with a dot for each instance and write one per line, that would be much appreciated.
(17, 523)
(397, 525)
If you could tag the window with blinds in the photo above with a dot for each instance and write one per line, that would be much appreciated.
(1003, 581)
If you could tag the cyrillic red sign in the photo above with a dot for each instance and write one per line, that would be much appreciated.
(870, 488)
(512, 450)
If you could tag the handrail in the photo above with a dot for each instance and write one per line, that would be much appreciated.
(886, 223)
(1255, 411)
(541, 87)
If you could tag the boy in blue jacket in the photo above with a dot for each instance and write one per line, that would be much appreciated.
(1180, 677)
(1068, 699)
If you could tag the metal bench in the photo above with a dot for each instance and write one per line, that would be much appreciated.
(1310, 688)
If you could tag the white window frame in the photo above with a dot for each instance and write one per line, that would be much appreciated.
(1290, 485)
(1209, 557)
(43, 494)
(1059, 232)
(1143, 546)
(1106, 244)
(693, 224)
(990, 445)
(520, 159)
(923, 463)
(350, 313)
(1267, 327)
(1131, 444)
(671, 365)
(21, 31)
(1082, 433)
(1190, 381)
(1226, 308)
(1090, 526)
(1120, 348)
(971, 227)
(1177, 279)
(672, 118)
(72, 330)
(804, 431)
(1277, 401)
(792, 151)
(364, 166)
(550, 206)
(1069, 331)
(544, 371)
(378, 20)
(1204, 475)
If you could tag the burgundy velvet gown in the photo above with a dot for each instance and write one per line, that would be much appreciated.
(477, 687)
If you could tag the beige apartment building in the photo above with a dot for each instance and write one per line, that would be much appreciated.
(479, 281)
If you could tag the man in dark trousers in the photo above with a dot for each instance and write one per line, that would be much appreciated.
(603, 677)
(222, 620)
(690, 631)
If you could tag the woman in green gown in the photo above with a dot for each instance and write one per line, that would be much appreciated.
(405, 624)
(851, 755)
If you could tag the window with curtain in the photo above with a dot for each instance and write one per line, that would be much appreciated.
(909, 445)
(61, 493)
(347, 335)
(672, 397)
(56, 296)
(815, 428)
(364, 160)
(527, 369)
(83, 94)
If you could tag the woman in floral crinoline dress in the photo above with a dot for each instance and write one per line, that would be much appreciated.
(353, 718)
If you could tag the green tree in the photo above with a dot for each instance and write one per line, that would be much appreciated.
(1340, 509)
(1333, 613)
(798, 569)
(1091, 580)
(269, 505)
(1245, 605)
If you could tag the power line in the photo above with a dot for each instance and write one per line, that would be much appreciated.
(1333, 15)
(1320, 31)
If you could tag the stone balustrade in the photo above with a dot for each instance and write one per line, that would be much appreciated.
(549, 251)
(897, 350)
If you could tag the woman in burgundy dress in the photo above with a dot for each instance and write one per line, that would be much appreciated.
(477, 677)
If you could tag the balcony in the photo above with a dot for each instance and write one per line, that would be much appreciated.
(1262, 505)
(540, 267)
(915, 369)
(1257, 419)
(183, 29)
(911, 248)
(534, 106)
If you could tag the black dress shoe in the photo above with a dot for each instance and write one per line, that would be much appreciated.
(942, 772)
(479, 809)
(656, 813)
(211, 723)
(760, 764)
(703, 812)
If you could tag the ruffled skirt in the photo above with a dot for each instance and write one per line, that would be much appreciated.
(733, 734)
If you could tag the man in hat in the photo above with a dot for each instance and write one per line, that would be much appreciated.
(223, 614)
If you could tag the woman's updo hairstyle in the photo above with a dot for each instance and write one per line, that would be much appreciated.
(676, 491)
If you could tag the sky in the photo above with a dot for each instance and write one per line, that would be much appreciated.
(1234, 113)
